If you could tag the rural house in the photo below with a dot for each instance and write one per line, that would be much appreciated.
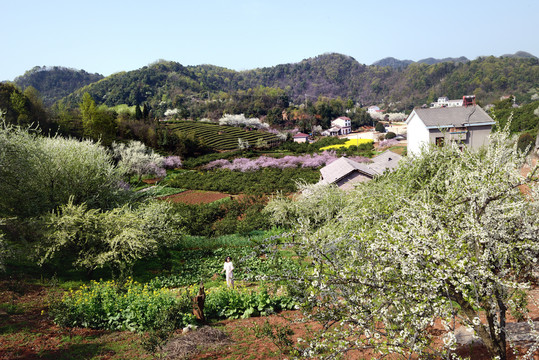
(345, 172)
(301, 138)
(340, 126)
(445, 102)
(466, 125)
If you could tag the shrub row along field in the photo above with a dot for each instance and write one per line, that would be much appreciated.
(224, 137)
(263, 181)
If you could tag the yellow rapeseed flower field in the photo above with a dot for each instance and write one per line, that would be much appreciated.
(350, 142)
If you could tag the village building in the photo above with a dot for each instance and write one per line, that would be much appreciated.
(373, 109)
(301, 138)
(445, 102)
(345, 172)
(340, 126)
(466, 125)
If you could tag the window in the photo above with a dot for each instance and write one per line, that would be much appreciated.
(439, 141)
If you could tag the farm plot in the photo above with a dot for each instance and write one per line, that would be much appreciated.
(196, 197)
(223, 137)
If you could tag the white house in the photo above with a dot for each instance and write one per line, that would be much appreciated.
(467, 125)
(373, 109)
(341, 126)
(301, 138)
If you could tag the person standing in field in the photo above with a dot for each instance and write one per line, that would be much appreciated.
(228, 270)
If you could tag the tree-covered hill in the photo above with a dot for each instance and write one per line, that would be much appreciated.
(208, 90)
(54, 83)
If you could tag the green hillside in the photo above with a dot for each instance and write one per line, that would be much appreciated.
(210, 91)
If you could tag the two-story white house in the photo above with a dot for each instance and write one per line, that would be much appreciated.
(467, 125)
(341, 126)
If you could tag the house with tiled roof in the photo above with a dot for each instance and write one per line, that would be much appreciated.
(340, 126)
(465, 125)
(345, 172)
(301, 138)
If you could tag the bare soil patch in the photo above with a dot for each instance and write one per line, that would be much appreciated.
(195, 197)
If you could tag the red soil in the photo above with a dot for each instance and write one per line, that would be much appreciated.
(196, 197)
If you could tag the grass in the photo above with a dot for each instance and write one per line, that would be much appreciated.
(398, 149)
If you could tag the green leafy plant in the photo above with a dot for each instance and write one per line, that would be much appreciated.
(243, 303)
(122, 306)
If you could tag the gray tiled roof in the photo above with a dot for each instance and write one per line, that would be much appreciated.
(343, 166)
(454, 116)
(387, 160)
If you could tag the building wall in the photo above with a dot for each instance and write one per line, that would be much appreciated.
(301, 140)
(479, 136)
(418, 134)
(476, 137)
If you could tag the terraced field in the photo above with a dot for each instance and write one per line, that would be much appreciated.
(223, 137)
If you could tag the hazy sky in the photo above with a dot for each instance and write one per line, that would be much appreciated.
(113, 35)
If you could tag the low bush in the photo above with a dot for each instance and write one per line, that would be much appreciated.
(264, 181)
(120, 306)
(222, 218)
(243, 303)
(136, 307)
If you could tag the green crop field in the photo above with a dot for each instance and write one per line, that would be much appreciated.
(223, 137)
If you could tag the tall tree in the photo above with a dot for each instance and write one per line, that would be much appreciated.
(97, 124)
(138, 112)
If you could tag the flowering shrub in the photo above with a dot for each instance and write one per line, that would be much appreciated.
(241, 120)
(119, 306)
(134, 158)
(172, 162)
(364, 143)
(243, 164)
(390, 116)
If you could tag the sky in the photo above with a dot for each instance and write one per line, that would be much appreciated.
(106, 37)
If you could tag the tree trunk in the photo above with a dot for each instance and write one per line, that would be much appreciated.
(492, 342)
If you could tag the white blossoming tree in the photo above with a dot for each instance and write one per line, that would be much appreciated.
(450, 235)
(242, 121)
(134, 158)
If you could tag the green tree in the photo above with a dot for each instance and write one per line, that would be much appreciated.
(138, 112)
(98, 124)
(92, 239)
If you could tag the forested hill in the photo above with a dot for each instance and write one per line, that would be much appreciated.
(54, 83)
(170, 84)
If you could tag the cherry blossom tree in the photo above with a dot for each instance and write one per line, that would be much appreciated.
(450, 236)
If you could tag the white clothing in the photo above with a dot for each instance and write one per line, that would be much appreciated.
(228, 267)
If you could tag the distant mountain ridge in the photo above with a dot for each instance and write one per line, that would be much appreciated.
(55, 82)
(168, 84)
(399, 64)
